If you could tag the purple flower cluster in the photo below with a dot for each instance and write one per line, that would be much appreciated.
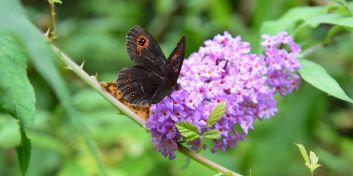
(224, 70)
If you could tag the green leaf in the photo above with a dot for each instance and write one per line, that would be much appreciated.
(188, 130)
(317, 76)
(16, 92)
(334, 31)
(301, 17)
(288, 21)
(24, 151)
(344, 8)
(211, 134)
(313, 162)
(303, 152)
(334, 19)
(310, 161)
(216, 114)
(13, 19)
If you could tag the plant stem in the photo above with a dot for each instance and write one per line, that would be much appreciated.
(206, 162)
(310, 50)
(92, 81)
(52, 29)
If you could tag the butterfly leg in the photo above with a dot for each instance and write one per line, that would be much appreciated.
(173, 101)
(178, 87)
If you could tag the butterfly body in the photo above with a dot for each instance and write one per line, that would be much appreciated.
(152, 77)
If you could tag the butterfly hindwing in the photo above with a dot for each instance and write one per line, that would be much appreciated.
(138, 84)
(144, 50)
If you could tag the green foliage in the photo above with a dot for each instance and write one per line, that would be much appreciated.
(334, 19)
(188, 130)
(289, 21)
(318, 77)
(42, 58)
(211, 134)
(299, 18)
(333, 32)
(24, 151)
(216, 114)
(310, 161)
(343, 8)
(17, 96)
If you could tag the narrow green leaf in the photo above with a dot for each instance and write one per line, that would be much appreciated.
(211, 134)
(303, 152)
(317, 76)
(216, 114)
(24, 151)
(188, 130)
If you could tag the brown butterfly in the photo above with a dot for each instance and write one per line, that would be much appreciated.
(152, 77)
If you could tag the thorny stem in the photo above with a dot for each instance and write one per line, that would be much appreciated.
(92, 81)
(52, 28)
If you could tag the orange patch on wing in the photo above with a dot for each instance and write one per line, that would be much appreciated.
(141, 43)
(110, 87)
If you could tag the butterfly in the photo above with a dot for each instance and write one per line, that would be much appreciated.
(152, 77)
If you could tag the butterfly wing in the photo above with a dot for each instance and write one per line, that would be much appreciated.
(175, 61)
(144, 50)
(174, 64)
(138, 85)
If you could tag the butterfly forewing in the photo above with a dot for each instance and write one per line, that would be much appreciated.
(175, 59)
(144, 50)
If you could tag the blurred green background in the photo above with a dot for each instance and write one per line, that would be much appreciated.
(94, 32)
